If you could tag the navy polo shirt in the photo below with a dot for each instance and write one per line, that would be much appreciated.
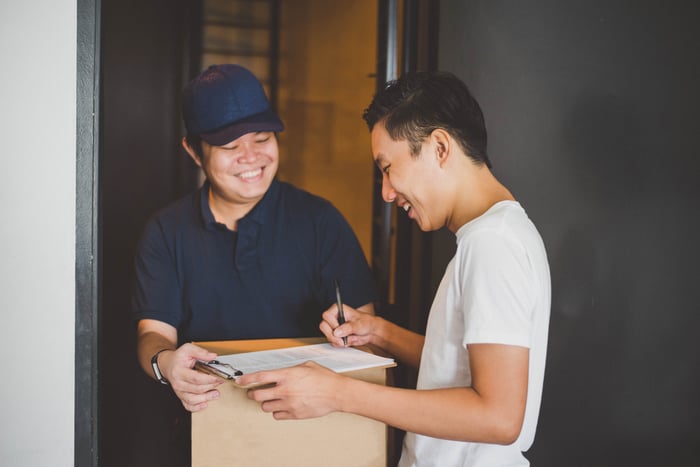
(273, 277)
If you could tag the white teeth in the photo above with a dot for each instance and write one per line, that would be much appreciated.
(406, 207)
(250, 173)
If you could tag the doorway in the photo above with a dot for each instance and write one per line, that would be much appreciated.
(148, 52)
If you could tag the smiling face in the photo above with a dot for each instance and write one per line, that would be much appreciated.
(410, 181)
(241, 171)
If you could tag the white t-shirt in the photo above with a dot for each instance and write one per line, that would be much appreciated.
(496, 289)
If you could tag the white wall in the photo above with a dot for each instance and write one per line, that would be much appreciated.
(37, 231)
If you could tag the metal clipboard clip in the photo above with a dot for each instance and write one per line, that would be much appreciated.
(217, 368)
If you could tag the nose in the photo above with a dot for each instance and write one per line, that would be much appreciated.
(388, 192)
(248, 154)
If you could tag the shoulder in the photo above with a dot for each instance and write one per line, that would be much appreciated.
(177, 211)
(500, 242)
(491, 236)
(504, 221)
(313, 215)
(307, 207)
(178, 216)
(295, 196)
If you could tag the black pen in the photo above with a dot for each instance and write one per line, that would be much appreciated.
(339, 302)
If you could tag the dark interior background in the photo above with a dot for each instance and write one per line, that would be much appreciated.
(145, 63)
(592, 110)
(592, 113)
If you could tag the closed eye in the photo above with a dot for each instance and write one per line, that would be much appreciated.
(385, 169)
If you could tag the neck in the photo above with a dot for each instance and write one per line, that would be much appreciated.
(228, 212)
(485, 191)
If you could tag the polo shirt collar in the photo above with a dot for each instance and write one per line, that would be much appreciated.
(260, 212)
(265, 207)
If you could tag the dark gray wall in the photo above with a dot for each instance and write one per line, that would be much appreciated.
(593, 116)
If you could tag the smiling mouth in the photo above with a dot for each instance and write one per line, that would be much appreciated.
(406, 207)
(250, 174)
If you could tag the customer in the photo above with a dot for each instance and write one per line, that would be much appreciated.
(481, 362)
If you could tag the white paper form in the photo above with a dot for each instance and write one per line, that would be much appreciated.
(339, 360)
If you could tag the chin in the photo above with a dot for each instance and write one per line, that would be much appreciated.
(426, 228)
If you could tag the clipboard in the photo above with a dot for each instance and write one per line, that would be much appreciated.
(225, 371)
(340, 360)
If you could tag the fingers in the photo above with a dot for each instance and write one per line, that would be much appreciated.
(271, 385)
(194, 389)
(329, 332)
(177, 364)
(331, 314)
(261, 378)
(194, 352)
(358, 329)
(332, 329)
(304, 391)
(197, 402)
(196, 382)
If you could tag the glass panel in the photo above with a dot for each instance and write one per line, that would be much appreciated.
(251, 13)
(242, 40)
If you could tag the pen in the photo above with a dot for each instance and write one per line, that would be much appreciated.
(339, 302)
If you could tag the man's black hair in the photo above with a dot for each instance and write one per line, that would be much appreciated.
(416, 104)
(195, 142)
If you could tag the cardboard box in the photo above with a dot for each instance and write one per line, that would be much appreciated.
(234, 431)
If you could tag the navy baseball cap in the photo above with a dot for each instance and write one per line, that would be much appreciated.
(225, 102)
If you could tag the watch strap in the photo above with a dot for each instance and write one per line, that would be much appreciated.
(156, 369)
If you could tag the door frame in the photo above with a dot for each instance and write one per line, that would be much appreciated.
(87, 254)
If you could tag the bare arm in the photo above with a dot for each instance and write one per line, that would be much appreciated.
(363, 328)
(193, 388)
(154, 336)
(491, 410)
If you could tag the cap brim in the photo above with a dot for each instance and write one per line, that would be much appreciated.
(264, 121)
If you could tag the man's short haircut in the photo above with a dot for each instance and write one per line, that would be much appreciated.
(416, 104)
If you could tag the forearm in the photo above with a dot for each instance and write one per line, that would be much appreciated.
(453, 413)
(151, 341)
(403, 344)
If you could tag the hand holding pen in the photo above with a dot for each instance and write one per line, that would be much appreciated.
(354, 327)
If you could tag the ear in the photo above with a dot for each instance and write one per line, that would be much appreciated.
(191, 152)
(441, 141)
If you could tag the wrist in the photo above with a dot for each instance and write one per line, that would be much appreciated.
(157, 371)
(377, 337)
(344, 393)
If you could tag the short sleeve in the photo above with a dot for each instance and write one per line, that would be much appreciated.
(156, 292)
(497, 291)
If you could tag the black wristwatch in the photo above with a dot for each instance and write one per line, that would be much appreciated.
(156, 369)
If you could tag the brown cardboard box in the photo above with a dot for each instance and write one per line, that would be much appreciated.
(234, 431)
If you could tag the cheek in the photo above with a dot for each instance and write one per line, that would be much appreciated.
(273, 154)
(223, 162)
